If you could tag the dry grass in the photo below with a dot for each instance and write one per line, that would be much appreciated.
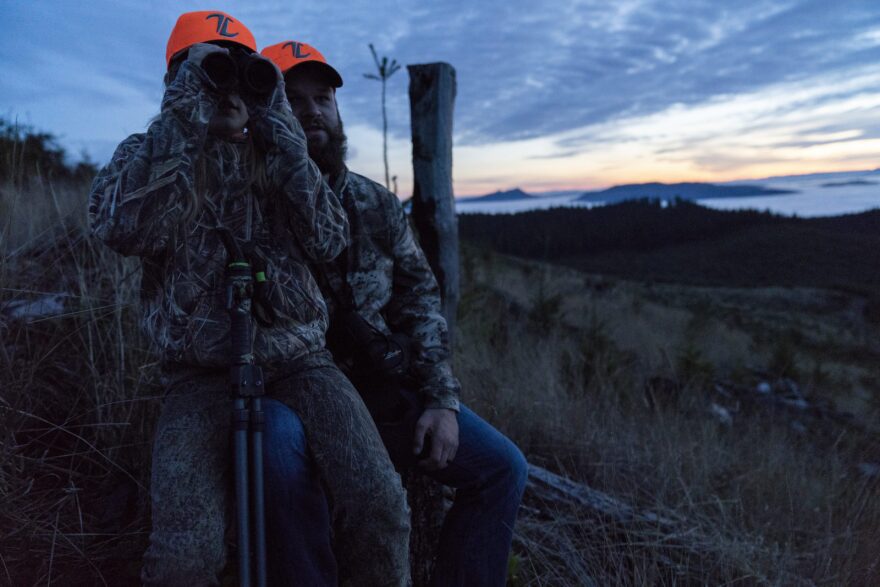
(556, 359)
(762, 501)
(74, 407)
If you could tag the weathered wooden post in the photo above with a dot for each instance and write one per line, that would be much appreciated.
(432, 96)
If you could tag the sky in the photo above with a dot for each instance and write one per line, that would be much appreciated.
(557, 95)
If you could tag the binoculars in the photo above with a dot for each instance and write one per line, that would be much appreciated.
(247, 72)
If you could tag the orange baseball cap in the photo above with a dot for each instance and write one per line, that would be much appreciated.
(204, 26)
(288, 54)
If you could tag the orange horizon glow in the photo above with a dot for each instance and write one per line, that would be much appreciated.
(821, 125)
(482, 189)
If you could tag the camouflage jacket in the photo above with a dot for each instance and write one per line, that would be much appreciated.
(392, 284)
(141, 204)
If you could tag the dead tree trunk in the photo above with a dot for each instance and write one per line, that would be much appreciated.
(432, 94)
(432, 97)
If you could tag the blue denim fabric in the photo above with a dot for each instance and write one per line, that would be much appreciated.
(297, 513)
(489, 473)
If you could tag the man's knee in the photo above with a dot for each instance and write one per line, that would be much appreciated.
(501, 468)
(507, 475)
(518, 468)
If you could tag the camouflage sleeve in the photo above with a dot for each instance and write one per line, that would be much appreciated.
(415, 311)
(140, 197)
(313, 212)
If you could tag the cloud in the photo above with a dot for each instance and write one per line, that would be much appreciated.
(543, 89)
(525, 73)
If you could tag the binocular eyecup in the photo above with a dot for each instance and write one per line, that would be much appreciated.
(250, 73)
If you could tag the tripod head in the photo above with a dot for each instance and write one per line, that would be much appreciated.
(247, 385)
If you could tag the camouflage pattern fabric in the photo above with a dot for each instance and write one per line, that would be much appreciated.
(392, 284)
(161, 198)
(142, 201)
(192, 476)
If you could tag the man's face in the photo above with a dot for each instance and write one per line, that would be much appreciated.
(313, 101)
(314, 105)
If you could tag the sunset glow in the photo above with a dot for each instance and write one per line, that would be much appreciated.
(575, 96)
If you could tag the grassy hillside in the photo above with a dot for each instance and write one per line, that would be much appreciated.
(618, 383)
(615, 383)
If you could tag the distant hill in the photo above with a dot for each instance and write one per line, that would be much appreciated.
(842, 187)
(513, 195)
(684, 191)
(684, 242)
(840, 184)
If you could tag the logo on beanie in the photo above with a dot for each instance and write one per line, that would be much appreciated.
(295, 47)
(222, 22)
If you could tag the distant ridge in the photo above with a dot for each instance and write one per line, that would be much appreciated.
(841, 189)
(841, 184)
(513, 195)
(684, 191)
(685, 242)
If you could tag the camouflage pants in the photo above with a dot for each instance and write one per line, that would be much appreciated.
(192, 476)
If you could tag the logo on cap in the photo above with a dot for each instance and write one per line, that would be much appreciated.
(295, 47)
(222, 22)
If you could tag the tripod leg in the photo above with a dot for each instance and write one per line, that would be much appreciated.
(240, 426)
(257, 427)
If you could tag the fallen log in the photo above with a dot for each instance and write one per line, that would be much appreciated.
(552, 488)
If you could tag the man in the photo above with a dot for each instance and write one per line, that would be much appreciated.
(385, 304)
(226, 157)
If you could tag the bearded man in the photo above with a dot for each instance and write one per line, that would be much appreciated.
(388, 335)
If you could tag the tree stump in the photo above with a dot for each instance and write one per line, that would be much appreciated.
(432, 95)
(428, 504)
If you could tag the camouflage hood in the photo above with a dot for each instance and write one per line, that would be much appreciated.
(142, 204)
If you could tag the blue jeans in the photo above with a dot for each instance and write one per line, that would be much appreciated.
(489, 474)
(299, 549)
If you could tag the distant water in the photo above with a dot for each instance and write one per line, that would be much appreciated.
(826, 194)
(817, 195)
(524, 205)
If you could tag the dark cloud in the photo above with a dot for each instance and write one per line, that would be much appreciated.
(524, 69)
(525, 72)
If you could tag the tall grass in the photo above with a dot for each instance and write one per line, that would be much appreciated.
(767, 500)
(556, 360)
(75, 408)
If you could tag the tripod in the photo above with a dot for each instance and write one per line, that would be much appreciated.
(247, 387)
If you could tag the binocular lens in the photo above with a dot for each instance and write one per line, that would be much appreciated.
(259, 76)
(221, 69)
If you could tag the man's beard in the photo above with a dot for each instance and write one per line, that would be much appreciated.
(330, 158)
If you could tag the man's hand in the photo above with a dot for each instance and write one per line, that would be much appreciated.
(441, 426)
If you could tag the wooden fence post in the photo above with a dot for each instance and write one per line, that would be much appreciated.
(432, 98)
(432, 95)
